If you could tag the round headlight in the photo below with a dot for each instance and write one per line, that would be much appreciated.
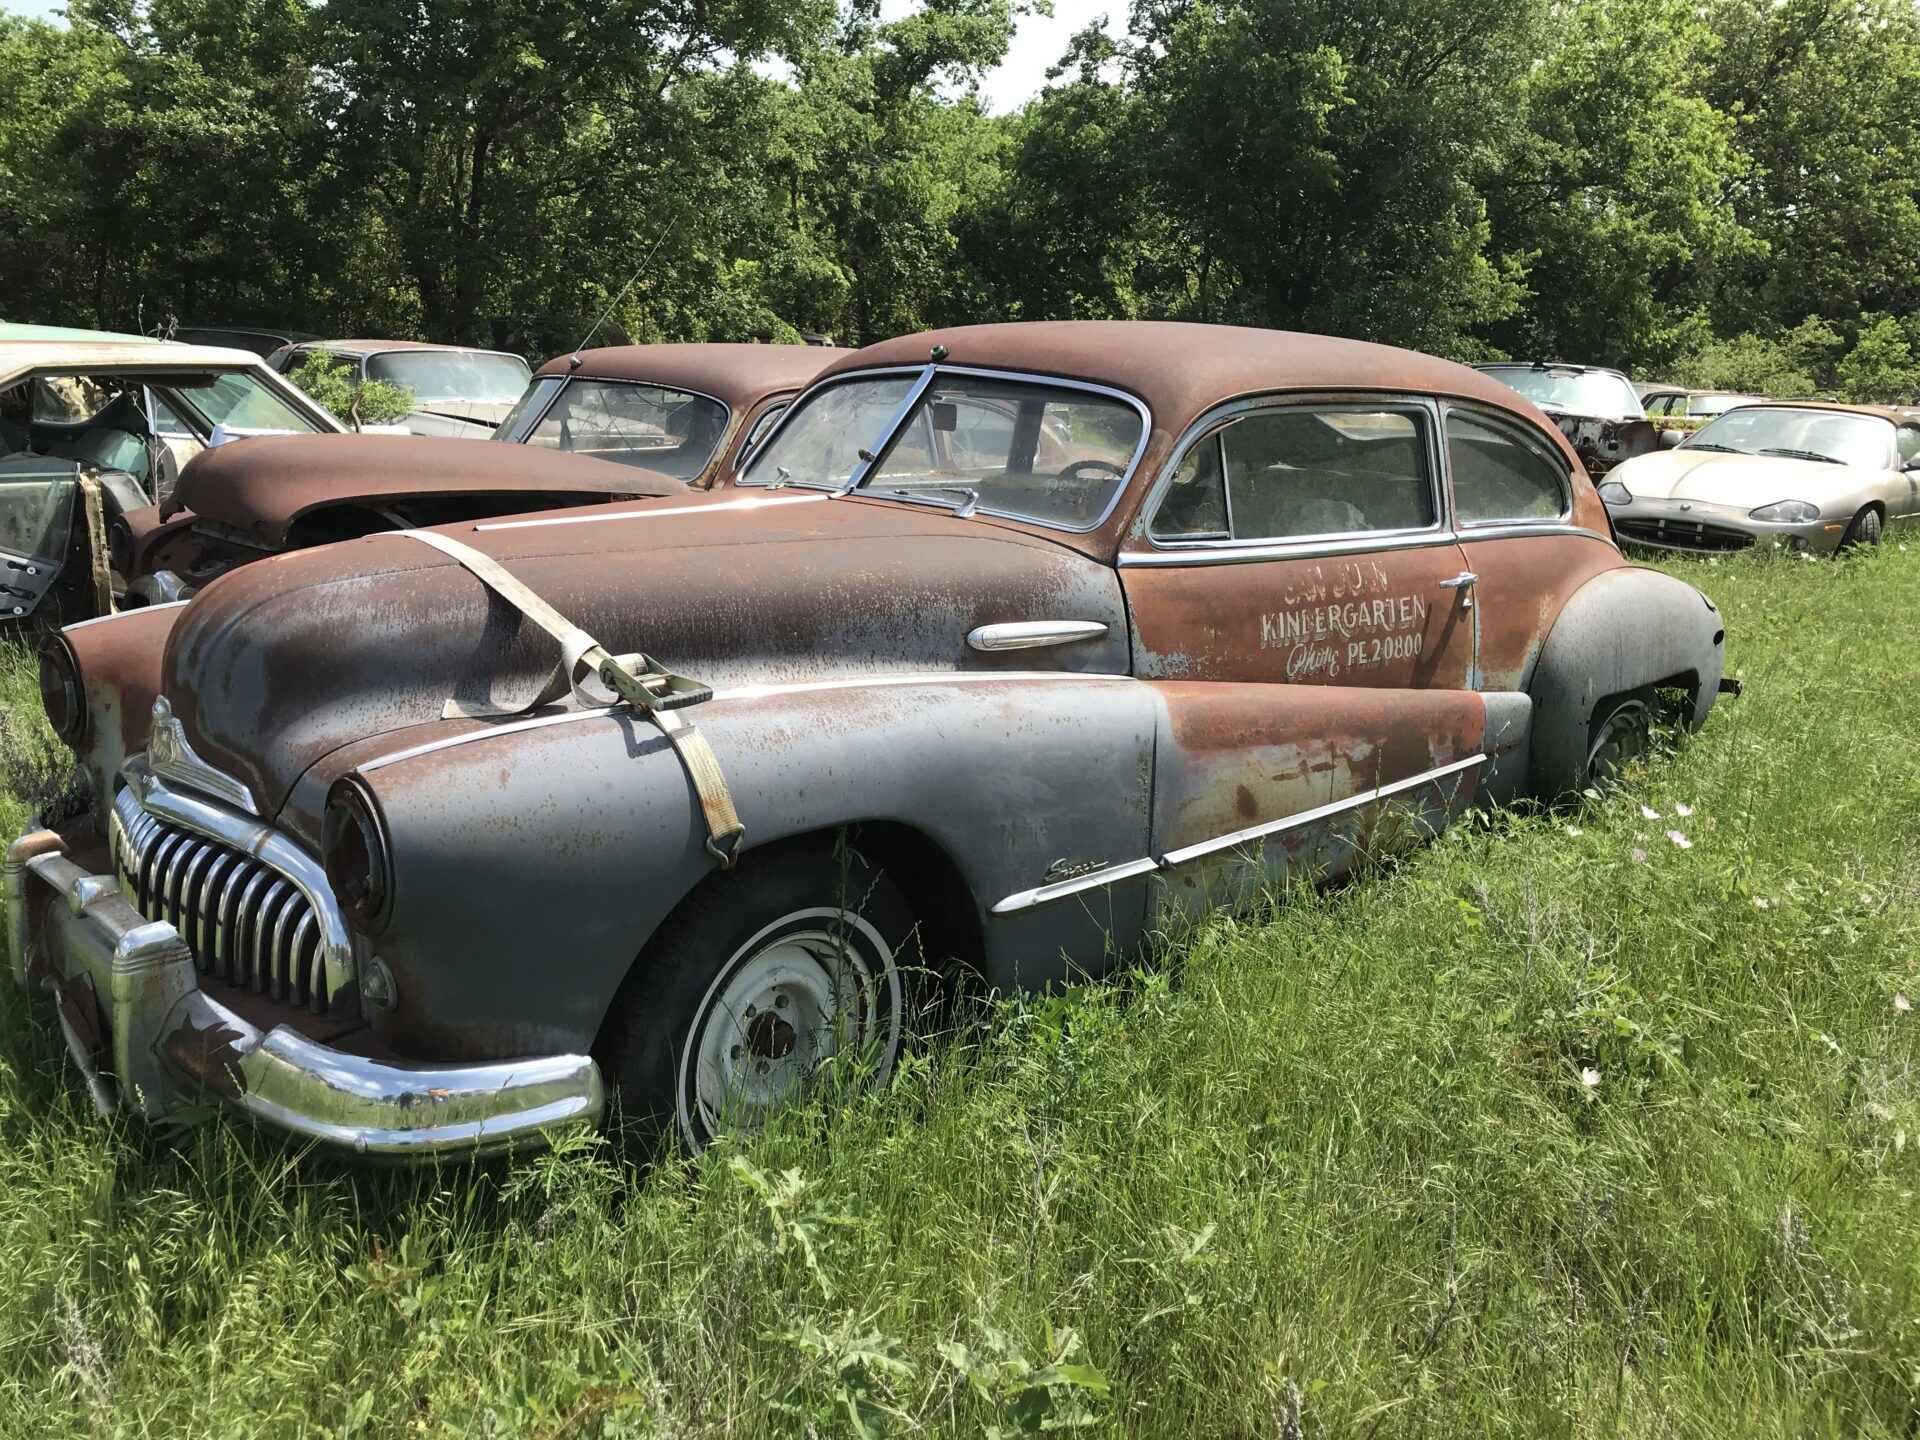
(1787, 512)
(1614, 493)
(354, 852)
(62, 695)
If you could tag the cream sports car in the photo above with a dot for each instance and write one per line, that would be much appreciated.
(1798, 473)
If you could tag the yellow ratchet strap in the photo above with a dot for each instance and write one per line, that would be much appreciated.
(92, 499)
(643, 683)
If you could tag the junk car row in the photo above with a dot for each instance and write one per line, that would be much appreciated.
(466, 787)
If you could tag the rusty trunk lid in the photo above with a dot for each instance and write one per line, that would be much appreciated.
(280, 663)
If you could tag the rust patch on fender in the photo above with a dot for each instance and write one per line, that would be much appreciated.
(210, 1055)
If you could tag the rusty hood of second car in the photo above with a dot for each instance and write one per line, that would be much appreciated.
(260, 485)
(277, 664)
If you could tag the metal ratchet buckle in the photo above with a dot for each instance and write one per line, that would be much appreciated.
(643, 681)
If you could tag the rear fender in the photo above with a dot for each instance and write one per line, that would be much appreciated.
(532, 866)
(1623, 630)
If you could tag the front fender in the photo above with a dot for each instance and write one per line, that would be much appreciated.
(532, 862)
(119, 658)
(1623, 630)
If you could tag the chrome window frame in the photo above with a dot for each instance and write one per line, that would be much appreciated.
(1172, 550)
(1494, 419)
(568, 380)
(926, 374)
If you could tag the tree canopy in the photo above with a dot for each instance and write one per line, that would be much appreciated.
(1720, 190)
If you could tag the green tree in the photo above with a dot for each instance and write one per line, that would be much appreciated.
(1823, 96)
(1612, 203)
(352, 400)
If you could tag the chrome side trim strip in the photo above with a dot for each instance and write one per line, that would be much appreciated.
(1113, 874)
(1501, 530)
(1221, 552)
(750, 502)
(121, 615)
(1033, 634)
(741, 692)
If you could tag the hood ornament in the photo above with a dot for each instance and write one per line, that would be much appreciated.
(172, 758)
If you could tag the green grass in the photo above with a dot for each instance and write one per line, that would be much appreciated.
(1338, 1161)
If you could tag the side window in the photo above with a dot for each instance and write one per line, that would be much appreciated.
(1909, 444)
(762, 427)
(1498, 476)
(1290, 473)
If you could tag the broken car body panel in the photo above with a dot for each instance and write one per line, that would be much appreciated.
(1233, 608)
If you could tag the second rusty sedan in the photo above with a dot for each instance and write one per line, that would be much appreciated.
(1010, 643)
(690, 411)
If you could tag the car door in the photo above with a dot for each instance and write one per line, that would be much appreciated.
(38, 505)
(1298, 602)
(1906, 484)
(1511, 493)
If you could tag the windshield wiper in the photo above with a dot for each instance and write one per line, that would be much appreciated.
(969, 498)
(1723, 449)
(1801, 454)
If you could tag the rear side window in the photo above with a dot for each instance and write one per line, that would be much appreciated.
(1499, 476)
(1298, 472)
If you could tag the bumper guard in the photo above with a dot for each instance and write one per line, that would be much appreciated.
(149, 1039)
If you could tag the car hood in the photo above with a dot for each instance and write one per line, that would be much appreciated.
(481, 412)
(1741, 482)
(260, 486)
(277, 664)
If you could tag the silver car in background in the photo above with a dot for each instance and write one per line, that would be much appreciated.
(1799, 473)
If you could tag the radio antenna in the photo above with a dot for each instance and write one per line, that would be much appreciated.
(574, 362)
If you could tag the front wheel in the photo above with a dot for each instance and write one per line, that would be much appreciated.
(1865, 529)
(762, 983)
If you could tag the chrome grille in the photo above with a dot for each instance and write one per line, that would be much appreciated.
(244, 921)
(1684, 534)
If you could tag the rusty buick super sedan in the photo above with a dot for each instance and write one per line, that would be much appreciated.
(1010, 641)
(622, 423)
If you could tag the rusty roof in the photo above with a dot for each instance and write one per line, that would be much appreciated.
(263, 483)
(735, 375)
(1180, 369)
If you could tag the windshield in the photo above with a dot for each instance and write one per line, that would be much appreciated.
(1699, 406)
(240, 403)
(1791, 434)
(672, 431)
(1026, 449)
(452, 375)
(1578, 392)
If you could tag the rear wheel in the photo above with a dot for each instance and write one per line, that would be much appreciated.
(1620, 734)
(1865, 529)
(761, 985)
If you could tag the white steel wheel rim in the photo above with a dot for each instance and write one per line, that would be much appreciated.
(812, 985)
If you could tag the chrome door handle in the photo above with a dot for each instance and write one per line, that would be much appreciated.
(1464, 583)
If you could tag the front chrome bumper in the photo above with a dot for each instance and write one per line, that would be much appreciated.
(150, 1040)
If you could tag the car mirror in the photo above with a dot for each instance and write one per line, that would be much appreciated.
(946, 415)
(1670, 439)
(1912, 463)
